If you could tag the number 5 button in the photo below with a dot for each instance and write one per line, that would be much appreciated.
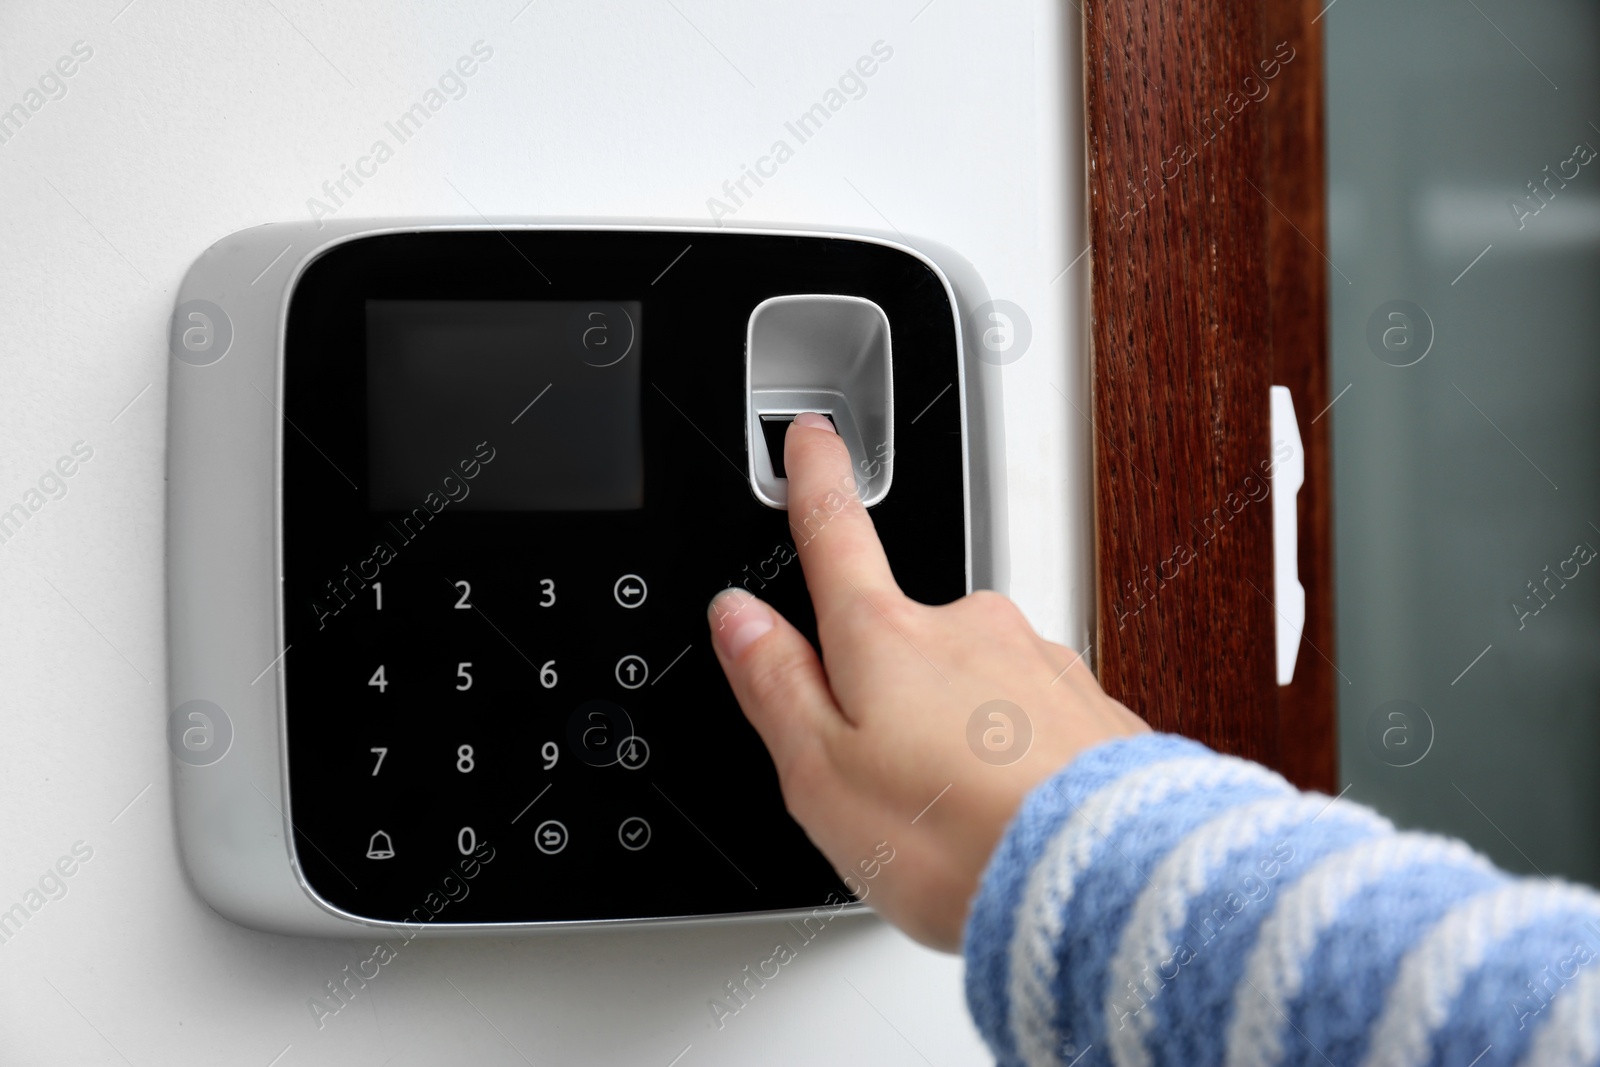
(632, 671)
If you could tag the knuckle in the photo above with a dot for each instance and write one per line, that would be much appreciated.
(994, 610)
(899, 610)
(802, 777)
(813, 511)
(775, 680)
(874, 611)
(810, 519)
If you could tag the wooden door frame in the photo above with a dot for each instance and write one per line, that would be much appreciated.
(1207, 217)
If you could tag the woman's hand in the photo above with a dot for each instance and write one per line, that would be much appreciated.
(892, 741)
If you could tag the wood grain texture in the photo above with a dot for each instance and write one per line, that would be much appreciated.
(1297, 286)
(1182, 365)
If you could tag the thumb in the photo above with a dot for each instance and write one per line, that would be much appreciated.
(776, 676)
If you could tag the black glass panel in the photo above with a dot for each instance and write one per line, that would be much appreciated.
(497, 561)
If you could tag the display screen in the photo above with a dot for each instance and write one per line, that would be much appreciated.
(548, 388)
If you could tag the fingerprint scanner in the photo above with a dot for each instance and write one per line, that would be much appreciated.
(826, 353)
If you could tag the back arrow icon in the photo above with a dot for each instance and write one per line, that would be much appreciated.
(630, 590)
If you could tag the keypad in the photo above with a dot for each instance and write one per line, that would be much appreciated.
(590, 743)
(527, 689)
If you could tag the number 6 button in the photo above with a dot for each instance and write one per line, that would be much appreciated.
(632, 671)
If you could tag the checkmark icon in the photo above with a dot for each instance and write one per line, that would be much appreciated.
(633, 834)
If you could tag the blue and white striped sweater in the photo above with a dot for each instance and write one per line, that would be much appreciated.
(1158, 904)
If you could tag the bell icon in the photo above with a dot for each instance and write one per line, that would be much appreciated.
(380, 847)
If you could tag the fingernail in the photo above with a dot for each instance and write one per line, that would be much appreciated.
(815, 421)
(737, 621)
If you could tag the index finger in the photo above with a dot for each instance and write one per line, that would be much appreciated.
(838, 545)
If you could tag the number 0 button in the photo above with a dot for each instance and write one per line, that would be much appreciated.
(632, 671)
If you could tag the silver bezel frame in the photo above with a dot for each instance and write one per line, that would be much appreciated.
(225, 613)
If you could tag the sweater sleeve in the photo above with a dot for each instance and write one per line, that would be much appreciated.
(1155, 903)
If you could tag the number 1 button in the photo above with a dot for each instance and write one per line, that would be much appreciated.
(632, 671)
